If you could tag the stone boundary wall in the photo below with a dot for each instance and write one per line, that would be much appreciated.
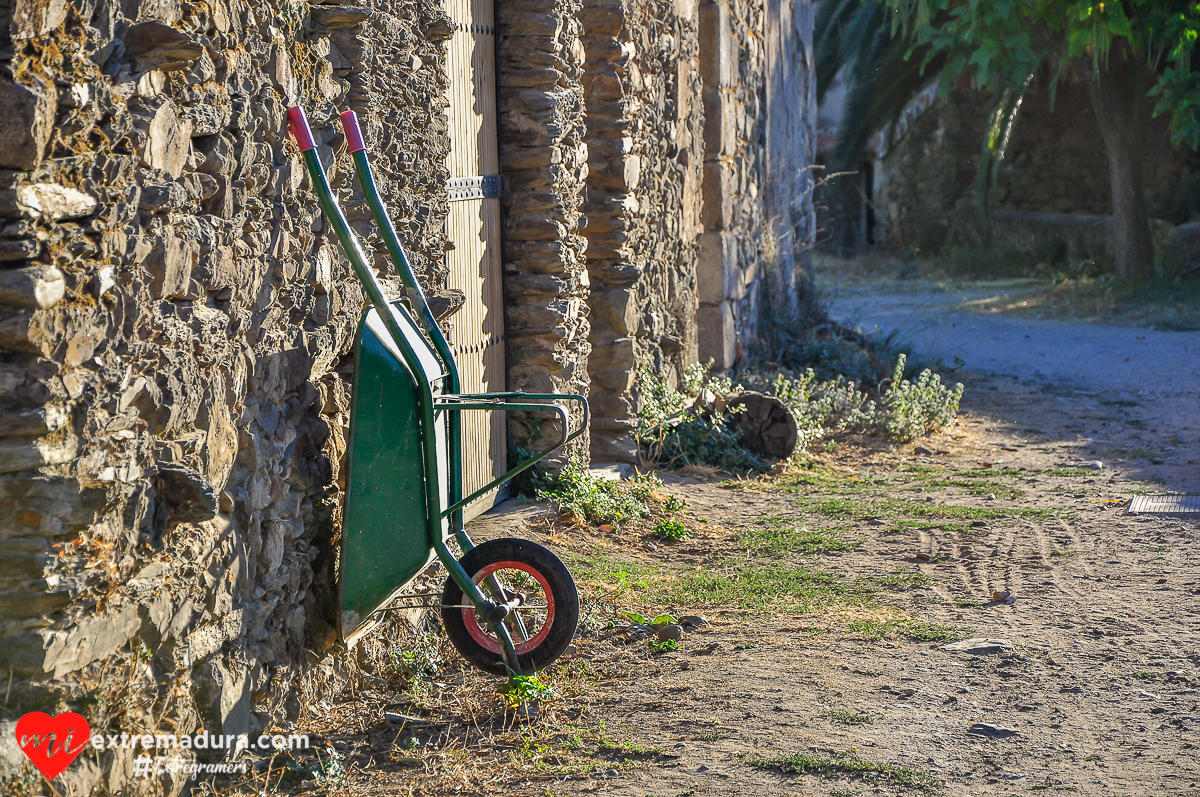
(543, 158)
(174, 317)
(1055, 164)
(791, 152)
(645, 132)
(736, 243)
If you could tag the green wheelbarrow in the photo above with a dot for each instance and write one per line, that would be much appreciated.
(509, 605)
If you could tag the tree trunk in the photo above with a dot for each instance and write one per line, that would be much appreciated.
(1120, 101)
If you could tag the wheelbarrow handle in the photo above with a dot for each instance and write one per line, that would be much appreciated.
(354, 136)
(524, 402)
(300, 130)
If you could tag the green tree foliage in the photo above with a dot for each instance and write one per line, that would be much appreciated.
(857, 36)
(1003, 42)
(1135, 56)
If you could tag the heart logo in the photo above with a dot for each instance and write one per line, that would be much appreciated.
(52, 743)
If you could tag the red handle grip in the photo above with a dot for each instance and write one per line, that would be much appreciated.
(299, 127)
(354, 137)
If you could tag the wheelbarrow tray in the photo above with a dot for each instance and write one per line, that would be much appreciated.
(385, 537)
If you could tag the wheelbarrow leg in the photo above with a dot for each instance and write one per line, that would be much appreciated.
(481, 603)
(464, 542)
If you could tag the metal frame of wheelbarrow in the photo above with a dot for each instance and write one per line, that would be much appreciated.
(441, 521)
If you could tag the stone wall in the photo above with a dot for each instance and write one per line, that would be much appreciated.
(1055, 164)
(645, 133)
(543, 157)
(700, 133)
(791, 94)
(737, 238)
(173, 317)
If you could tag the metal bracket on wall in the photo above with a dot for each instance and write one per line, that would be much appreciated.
(462, 188)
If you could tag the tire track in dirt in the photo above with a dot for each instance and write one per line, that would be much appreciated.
(1009, 563)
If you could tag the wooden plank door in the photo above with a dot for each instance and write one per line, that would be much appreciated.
(477, 330)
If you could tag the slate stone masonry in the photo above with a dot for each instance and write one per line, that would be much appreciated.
(174, 322)
(544, 161)
(645, 133)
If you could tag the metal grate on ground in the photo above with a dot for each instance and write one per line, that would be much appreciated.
(1165, 505)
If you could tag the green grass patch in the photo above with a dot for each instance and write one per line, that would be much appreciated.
(979, 487)
(1070, 472)
(896, 509)
(848, 764)
(1064, 553)
(846, 717)
(753, 585)
(838, 508)
(735, 583)
(758, 587)
(708, 736)
(919, 630)
(932, 510)
(780, 535)
(958, 528)
(828, 479)
(990, 473)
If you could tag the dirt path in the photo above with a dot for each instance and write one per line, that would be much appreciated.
(1149, 380)
(832, 596)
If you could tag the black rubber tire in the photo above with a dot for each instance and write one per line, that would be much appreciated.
(562, 589)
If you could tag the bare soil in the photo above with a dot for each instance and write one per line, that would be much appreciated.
(831, 593)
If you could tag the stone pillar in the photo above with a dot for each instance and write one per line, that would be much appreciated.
(543, 157)
(645, 146)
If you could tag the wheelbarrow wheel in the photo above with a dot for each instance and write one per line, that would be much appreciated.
(546, 612)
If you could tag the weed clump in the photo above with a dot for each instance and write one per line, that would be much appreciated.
(673, 432)
(671, 436)
(599, 500)
(670, 530)
(905, 411)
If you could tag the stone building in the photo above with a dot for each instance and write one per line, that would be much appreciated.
(176, 318)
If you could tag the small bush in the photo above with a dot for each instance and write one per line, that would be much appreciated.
(911, 409)
(670, 530)
(832, 357)
(671, 437)
(600, 500)
(531, 482)
(906, 410)
(674, 504)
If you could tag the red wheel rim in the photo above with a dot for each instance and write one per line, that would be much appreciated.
(481, 633)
